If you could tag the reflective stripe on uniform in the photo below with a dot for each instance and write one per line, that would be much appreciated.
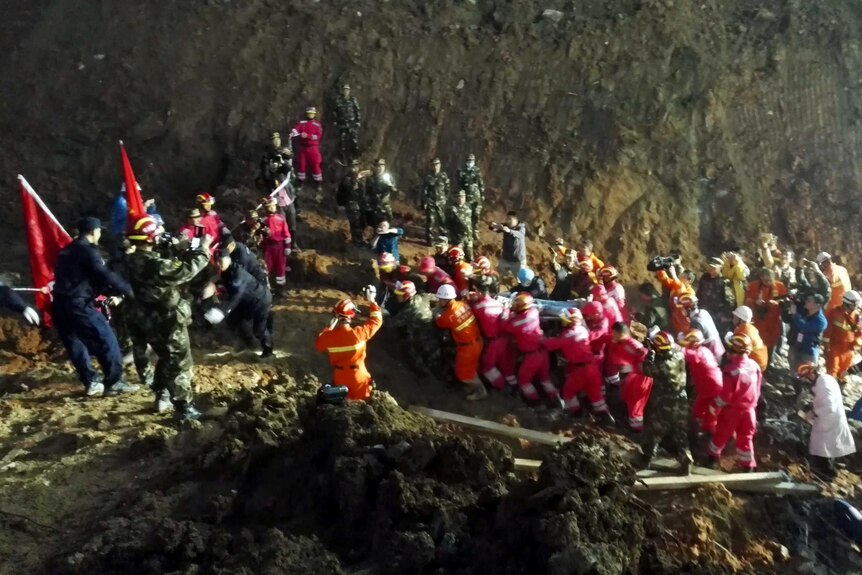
(359, 345)
(600, 406)
(493, 374)
(573, 403)
(529, 391)
(714, 450)
(376, 314)
(465, 324)
(745, 456)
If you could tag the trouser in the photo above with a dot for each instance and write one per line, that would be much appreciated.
(667, 424)
(494, 369)
(467, 361)
(348, 143)
(85, 331)
(434, 221)
(276, 263)
(466, 244)
(743, 423)
(536, 365)
(636, 389)
(261, 319)
(356, 219)
(504, 266)
(475, 217)
(700, 411)
(309, 160)
(584, 378)
(289, 212)
(838, 361)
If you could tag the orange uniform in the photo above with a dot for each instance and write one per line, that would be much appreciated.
(842, 336)
(767, 315)
(678, 320)
(840, 280)
(759, 353)
(458, 318)
(345, 345)
(461, 277)
(597, 263)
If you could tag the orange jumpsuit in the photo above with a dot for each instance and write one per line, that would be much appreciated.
(767, 316)
(678, 321)
(843, 335)
(458, 318)
(462, 280)
(345, 345)
(840, 280)
(759, 353)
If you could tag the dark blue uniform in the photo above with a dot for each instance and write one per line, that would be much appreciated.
(11, 300)
(79, 276)
(248, 299)
(242, 255)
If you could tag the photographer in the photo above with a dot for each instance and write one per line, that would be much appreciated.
(514, 255)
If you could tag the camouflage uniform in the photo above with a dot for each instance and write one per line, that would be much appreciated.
(666, 416)
(470, 180)
(347, 119)
(160, 316)
(459, 223)
(418, 335)
(435, 194)
(378, 191)
(351, 194)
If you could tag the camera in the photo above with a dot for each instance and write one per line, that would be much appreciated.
(658, 263)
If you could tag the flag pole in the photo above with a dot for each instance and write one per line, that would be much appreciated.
(41, 204)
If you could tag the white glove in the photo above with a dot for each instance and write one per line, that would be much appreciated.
(214, 316)
(370, 292)
(31, 315)
(727, 337)
(287, 251)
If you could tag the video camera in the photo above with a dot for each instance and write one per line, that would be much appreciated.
(659, 263)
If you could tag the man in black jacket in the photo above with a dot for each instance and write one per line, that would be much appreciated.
(514, 255)
(242, 255)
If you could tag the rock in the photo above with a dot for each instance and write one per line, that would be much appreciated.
(460, 85)
(552, 15)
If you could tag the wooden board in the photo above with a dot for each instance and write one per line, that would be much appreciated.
(688, 481)
(533, 436)
(527, 464)
(782, 488)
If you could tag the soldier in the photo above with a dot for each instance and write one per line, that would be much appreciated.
(378, 190)
(435, 194)
(351, 195)
(414, 321)
(459, 223)
(160, 316)
(347, 120)
(667, 412)
(470, 180)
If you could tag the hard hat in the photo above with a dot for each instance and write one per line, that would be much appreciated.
(386, 261)
(715, 262)
(806, 370)
(571, 316)
(427, 265)
(663, 341)
(586, 265)
(741, 344)
(405, 289)
(744, 313)
(345, 309)
(455, 254)
(193, 213)
(822, 257)
(446, 292)
(523, 302)
(269, 201)
(525, 276)
(592, 310)
(687, 301)
(608, 273)
(311, 110)
(205, 199)
(482, 264)
(145, 229)
(694, 338)
(852, 298)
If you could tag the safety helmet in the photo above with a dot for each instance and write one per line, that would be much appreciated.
(467, 270)
(145, 229)
(269, 201)
(345, 309)
(852, 298)
(525, 276)
(386, 261)
(806, 370)
(687, 301)
(571, 316)
(311, 110)
(405, 289)
(523, 302)
(455, 254)
(741, 344)
(205, 199)
(427, 265)
(446, 292)
(586, 266)
(694, 338)
(744, 313)
(482, 265)
(663, 341)
(593, 310)
(608, 274)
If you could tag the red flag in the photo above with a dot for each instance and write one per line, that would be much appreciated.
(133, 194)
(45, 238)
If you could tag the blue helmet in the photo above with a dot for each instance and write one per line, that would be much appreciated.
(525, 276)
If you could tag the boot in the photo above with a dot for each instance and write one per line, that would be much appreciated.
(605, 418)
(185, 411)
(163, 402)
(121, 387)
(477, 392)
(647, 454)
(94, 388)
(685, 463)
(267, 352)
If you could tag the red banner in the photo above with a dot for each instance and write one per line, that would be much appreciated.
(133, 194)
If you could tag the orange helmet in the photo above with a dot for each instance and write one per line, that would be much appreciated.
(455, 254)
(386, 261)
(482, 265)
(687, 301)
(806, 370)
(405, 289)
(145, 229)
(586, 266)
(523, 302)
(427, 265)
(205, 199)
(663, 341)
(571, 316)
(741, 344)
(345, 309)
(608, 274)
(693, 338)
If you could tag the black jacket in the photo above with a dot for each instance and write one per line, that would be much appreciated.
(80, 274)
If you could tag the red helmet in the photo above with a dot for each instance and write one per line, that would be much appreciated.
(455, 254)
(145, 229)
(608, 274)
(593, 310)
(427, 265)
(741, 344)
(663, 341)
(405, 289)
(205, 199)
(694, 338)
(386, 261)
(806, 370)
(523, 302)
(571, 316)
(586, 266)
(482, 265)
(687, 301)
(345, 309)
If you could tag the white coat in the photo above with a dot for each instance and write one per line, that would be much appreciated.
(830, 434)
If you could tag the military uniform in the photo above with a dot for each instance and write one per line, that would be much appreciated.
(667, 411)
(459, 224)
(418, 337)
(160, 317)
(378, 190)
(347, 119)
(351, 195)
(435, 195)
(470, 180)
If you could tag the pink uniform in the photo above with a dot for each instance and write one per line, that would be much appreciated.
(495, 364)
(582, 371)
(273, 246)
(212, 225)
(437, 278)
(310, 133)
(609, 304)
(617, 293)
(629, 354)
(740, 393)
(706, 375)
(526, 331)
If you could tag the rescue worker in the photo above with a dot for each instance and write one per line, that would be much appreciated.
(599, 330)
(247, 300)
(838, 278)
(434, 276)
(529, 282)
(386, 240)
(193, 230)
(459, 224)
(612, 316)
(609, 305)
(482, 272)
(346, 344)
(654, 313)
(811, 279)
(830, 434)
(347, 120)
(676, 287)
(417, 336)
(210, 220)
(308, 159)
(159, 316)
(629, 354)
(351, 195)
(470, 180)
(609, 277)
(742, 317)
(242, 255)
(456, 317)
(667, 411)
(763, 297)
(785, 271)
(435, 195)
(463, 271)
(80, 276)
(379, 189)
(583, 374)
(525, 329)
(715, 293)
(494, 364)
(806, 329)
(735, 271)
(514, 256)
(391, 274)
(584, 250)
(740, 392)
(11, 301)
(843, 335)
(705, 378)
(701, 321)
(276, 245)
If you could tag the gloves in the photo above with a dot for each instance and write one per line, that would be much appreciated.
(31, 316)
(727, 337)
(214, 316)
(369, 292)
(287, 252)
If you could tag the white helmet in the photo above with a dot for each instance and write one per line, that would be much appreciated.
(446, 291)
(744, 313)
(852, 298)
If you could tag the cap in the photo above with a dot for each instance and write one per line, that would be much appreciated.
(381, 162)
(89, 224)
(715, 262)
(822, 257)
(461, 194)
(311, 110)
(435, 161)
(817, 298)
(471, 157)
(441, 241)
(193, 213)
(345, 85)
(253, 215)
(354, 162)
(276, 135)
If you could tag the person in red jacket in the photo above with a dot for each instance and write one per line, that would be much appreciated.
(310, 133)
(434, 276)
(705, 375)
(491, 314)
(463, 271)
(193, 229)
(741, 382)
(629, 354)
(525, 329)
(582, 370)
(210, 220)
(276, 244)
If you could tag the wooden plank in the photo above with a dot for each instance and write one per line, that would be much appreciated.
(782, 488)
(527, 464)
(665, 464)
(539, 437)
(688, 481)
